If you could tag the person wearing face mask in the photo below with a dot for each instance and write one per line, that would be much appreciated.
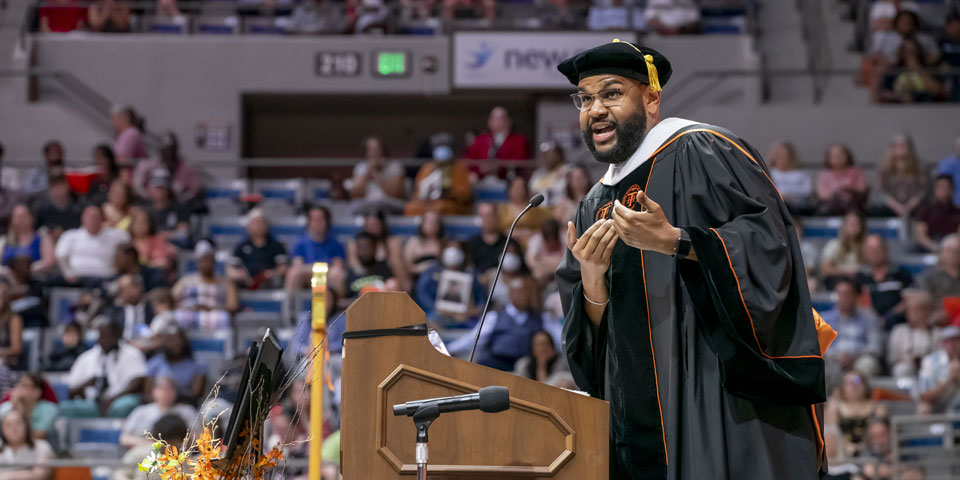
(452, 258)
(442, 184)
(513, 267)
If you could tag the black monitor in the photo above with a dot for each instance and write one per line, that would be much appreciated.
(261, 376)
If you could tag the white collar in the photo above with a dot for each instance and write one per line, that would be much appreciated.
(651, 142)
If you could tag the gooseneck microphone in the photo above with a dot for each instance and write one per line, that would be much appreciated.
(534, 203)
(488, 399)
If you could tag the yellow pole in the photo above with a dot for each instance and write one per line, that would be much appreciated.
(318, 284)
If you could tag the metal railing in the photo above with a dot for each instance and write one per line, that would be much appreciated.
(88, 98)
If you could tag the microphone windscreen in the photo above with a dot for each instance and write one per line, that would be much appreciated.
(494, 399)
(536, 200)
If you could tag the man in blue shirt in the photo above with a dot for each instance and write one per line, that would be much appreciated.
(859, 340)
(951, 166)
(317, 245)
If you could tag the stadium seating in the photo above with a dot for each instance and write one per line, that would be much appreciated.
(95, 437)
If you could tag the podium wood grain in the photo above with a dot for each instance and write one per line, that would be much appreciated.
(548, 432)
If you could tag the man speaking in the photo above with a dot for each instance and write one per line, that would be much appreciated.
(684, 291)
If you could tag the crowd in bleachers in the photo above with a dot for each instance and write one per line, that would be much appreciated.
(127, 290)
(417, 17)
(911, 49)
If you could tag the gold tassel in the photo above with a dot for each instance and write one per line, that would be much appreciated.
(653, 79)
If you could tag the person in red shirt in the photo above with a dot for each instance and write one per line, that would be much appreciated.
(63, 16)
(499, 143)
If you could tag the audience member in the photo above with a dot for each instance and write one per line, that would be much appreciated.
(290, 419)
(205, 300)
(11, 333)
(27, 396)
(910, 342)
(442, 184)
(128, 146)
(107, 379)
(613, 15)
(86, 254)
(377, 180)
(877, 449)
(937, 219)
(795, 185)
(131, 309)
(109, 16)
(20, 447)
(842, 186)
(939, 381)
(9, 178)
(550, 178)
(903, 182)
(950, 165)
(499, 143)
(62, 16)
(170, 217)
(164, 311)
(317, 245)
(127, 262)
(186, 182)
(545, 252)
(849, 410)
(316, 17)
(906, 27)
(943, 280)
(175, 361)
(842, 257)
(578, 185)
(260, 260)
(36, 180)
(388, 249)
(142, 418)
(67, 351)
(508, 333)
(423, 249)
(544, 360)
(859, 342)
(107, 171)
(518, 197)
(117, 208)
(883, 282)
(485, 248)
(26, 292)
(22, 239)
(910, 79)
(672, 17)
(370, 273)
(57, 211)
(469, 9)
(949, 46)
(452, 259)
(170, 428)
(154, 249)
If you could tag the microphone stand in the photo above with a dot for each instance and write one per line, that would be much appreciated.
(534, 202)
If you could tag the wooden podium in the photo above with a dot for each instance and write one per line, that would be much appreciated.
(548, 432)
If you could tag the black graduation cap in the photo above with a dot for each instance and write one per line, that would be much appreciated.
(643, 64)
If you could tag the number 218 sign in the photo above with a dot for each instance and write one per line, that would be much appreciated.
(337, 64)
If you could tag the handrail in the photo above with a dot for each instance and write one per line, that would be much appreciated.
(89, 97)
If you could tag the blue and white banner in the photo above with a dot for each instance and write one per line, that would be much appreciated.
(519, 59)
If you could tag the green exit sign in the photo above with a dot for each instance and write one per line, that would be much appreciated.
(392, 64)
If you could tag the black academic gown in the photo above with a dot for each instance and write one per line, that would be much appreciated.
(712, 368)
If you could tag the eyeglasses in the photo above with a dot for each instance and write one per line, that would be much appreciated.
(608, 98)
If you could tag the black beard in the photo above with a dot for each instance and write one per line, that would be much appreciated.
(629, 137)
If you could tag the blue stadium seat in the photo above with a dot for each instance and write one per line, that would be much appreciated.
(289, 191)
(403, 226)
(229, 189)
(461, 227)
(95, 437)
(288, 230)
(61, 300)
(265, 301)
(213, 350)
(32, 343)
(318, 190)
(916, 264)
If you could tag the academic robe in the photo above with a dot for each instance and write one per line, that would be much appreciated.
(713, 368)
